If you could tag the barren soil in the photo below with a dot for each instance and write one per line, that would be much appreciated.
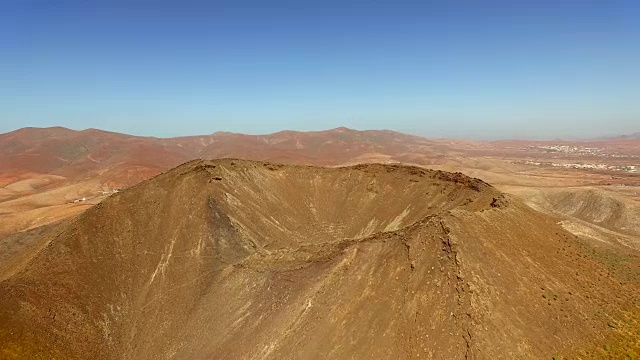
(239, 259)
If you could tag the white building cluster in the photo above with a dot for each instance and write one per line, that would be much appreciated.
(625, 168)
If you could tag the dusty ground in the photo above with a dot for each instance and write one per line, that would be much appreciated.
(238, 259)
(595, 205)
(42, 199)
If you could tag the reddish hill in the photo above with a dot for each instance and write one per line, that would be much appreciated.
(330, 147)
(89, 153)
(126, 160)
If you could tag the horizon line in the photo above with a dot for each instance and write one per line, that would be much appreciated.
(625, 136)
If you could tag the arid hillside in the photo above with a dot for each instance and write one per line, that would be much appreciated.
(60, 155)
(241, 259)
(124, 160)
(48, 175)
(77, 155)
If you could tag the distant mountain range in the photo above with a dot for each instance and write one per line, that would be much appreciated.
(129, 159)
(124, 160)
(634, 136)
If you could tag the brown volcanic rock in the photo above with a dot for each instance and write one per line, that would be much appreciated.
(240, 259)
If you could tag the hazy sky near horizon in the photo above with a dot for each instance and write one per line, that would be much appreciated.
(464, 69)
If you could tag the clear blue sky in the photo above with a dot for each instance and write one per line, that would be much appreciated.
(466, 69)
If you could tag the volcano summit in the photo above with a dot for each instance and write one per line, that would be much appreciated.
(249, 260)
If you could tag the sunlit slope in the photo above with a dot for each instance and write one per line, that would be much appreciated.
(240, 259)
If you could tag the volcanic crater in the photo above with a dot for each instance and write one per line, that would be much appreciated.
(240, 259)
